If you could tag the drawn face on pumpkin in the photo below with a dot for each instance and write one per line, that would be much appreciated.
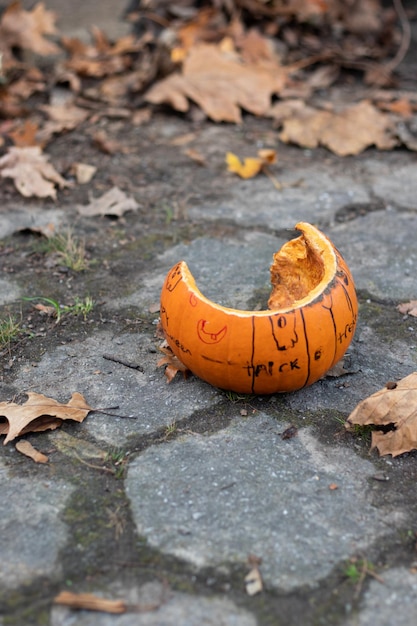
(208, 335)
(173, 278)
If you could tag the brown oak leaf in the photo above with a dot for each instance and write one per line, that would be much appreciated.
(221, 84)
(113, 202)
(393, 407)
(31, 172)
(39, 413)
(27, 29)
(346, 132)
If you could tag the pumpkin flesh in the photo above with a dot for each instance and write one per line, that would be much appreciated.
(306, 330)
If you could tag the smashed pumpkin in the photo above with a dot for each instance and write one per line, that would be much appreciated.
(306, 330)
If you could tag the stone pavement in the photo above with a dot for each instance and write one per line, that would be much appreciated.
(208, 478)
(201, 499)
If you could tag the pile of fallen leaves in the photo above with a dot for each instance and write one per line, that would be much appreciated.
(215, 59)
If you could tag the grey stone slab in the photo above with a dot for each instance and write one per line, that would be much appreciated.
(15, 217)
(9, 291)
(174, 609)
(393, 603)
(315, 195)
(397, 185)
(145, 396)
(31, 528)
(381, 251)
(215, 499)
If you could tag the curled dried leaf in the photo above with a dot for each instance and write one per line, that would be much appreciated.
(393, 412)
(172, 363)
(40, 413)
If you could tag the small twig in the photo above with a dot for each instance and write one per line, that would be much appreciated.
(272, 178)
(103, 468)
(366, 571)
(126, 363)
(406, 36)
(106, 412)
(306, 62)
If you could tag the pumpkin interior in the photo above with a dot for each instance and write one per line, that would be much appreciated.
(296, 270)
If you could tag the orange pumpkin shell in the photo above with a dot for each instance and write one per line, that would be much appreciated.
(308, 328)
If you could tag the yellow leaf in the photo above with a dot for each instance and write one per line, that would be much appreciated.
(249, 168)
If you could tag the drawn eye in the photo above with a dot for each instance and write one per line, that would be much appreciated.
(208, 336)
(309, 324)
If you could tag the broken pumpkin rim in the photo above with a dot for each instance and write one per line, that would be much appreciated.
(317, 241)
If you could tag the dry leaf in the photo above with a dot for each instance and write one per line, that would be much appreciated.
(89, 602)
(221, 84)
(182, 140)
(394, 407)
(113, 202)
(141, 116)
(408, 308)
(31, 172)
(61, 117)
(26, 29)
(107, 145)
(101, 58)
(255, 47)
(253, 580)
(173, 364)
(26, 448)
(45, 309)
(67, 116)
(251, 166)
(39, 413)
(31, 81)
(83, 172)
(25, 134)
(346, 132)
(401, 107)
(196, 156)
